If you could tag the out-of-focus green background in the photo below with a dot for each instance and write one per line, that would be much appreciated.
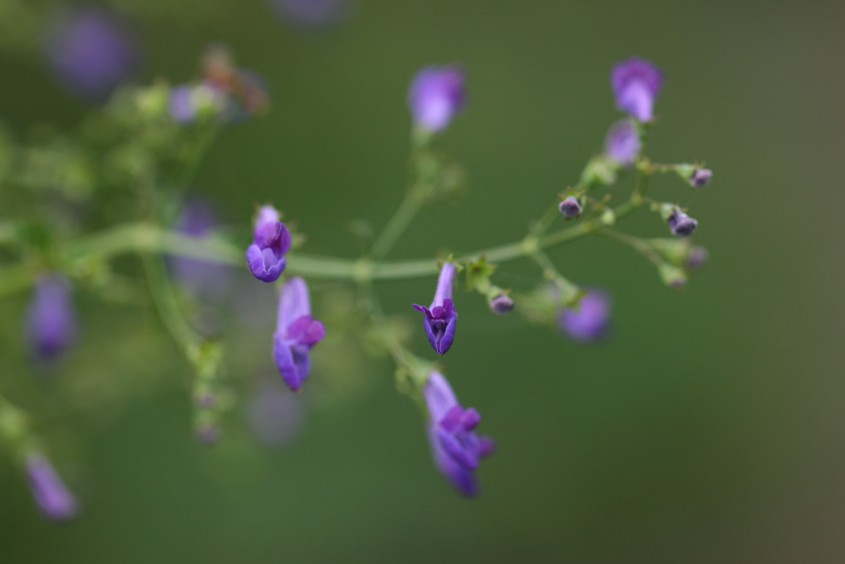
(709, 429)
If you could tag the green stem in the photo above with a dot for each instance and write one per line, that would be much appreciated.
(397, 225)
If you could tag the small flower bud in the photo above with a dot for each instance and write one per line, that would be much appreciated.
(52, 496)
(701, 177)
(588, 321)
(570, 207)
(51, 320)
(681, 224)
(623, 143)
(437, 95)
(501, 304)
(271, 242)
(697, 257)
(672, 276)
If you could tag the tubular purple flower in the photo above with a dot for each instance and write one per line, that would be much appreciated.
(437, 95)
(589, 320)
(441, 318)
(622, 144)
(53, 498)
(296, 334)
(701, 177)
(636, 86)
(570, 207)
(681, 224)
(90, 52)
(456, 448)
(271, 241)
(51, 321)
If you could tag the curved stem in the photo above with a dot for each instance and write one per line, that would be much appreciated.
(397, 225)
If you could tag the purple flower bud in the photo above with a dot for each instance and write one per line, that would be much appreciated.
(588, 321)
(90, 53)
(456, 448)
(208, 434)
(271, 241)
(697, 257)
(622, 144)
(51, 321)
(275, 416)
(296, 334)
(636, 85)
(200, 278)
(53, 498)
(441, 319)
(436, 96)
(701, 177)
(681, 224)
(311, 14)
(501, 304)
(570, 207)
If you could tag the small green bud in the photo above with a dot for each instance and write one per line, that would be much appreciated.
(600, 171)
(608, 217)
(672, 276)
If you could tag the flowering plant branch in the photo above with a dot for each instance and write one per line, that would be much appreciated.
(162, 135)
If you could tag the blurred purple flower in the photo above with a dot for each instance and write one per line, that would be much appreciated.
(200, 278)
(636, 85)
(271, 241)
(436, 96)
(53, 498)
(91, 52)
(697, 258)
(311, 14)
(588, 321)
(441, 319)
(296, 334)
(456, 448)
(623, 143)
(51, 321)
(275, 416)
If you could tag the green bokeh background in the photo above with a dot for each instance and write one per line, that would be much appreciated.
(709, 429)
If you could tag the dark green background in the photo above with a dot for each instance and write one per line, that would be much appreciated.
(710, 429)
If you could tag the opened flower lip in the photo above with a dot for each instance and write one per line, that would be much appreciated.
(636, 86)
(441, 318)
(456, 447)
(271, 242)
(297, 332)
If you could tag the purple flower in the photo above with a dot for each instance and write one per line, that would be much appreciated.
(200, 278)
(51, 321)
(90, 52)
(188, 103)
(296, 334)
(636, 85)
(441, 319)
(311, 14)
(623, 143)
(588, 321)
(436, 96)
(697, 258)
(53, 498)
(456, 448)
(501, 304)
(701, 177)
(681, 224)
(275, 416)
(570, 207)
(271, 241)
